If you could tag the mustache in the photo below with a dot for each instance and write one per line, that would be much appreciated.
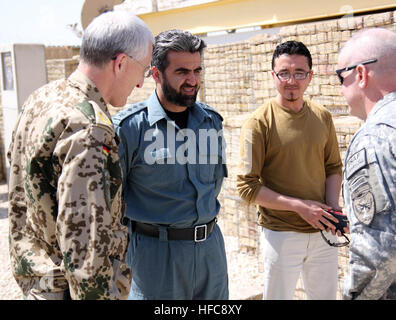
(291, 87)
(188, 86)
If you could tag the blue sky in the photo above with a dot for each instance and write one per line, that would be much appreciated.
(39, 21)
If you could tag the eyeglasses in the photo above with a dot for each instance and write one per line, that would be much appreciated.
(146, 70)
(339, 71)
(336, 244)
(285, 75)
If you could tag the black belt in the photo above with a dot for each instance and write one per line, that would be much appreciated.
(197, 233)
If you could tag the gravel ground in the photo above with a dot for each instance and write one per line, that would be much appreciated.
(9, 289)
(245, 281)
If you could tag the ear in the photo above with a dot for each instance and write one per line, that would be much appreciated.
(157, 75)
(362, 74)
(273, 74)
(311, 73)
(119, 64)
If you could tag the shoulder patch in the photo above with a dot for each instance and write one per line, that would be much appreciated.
(356, 162)
(94, 113)
(132, 109)
(87, 110)
(101, 117)
(206, 107)
(363, 203)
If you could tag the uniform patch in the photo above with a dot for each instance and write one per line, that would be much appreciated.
(356, 162)
(363, 203)
(86, 108)
(101, 117)
(106, 150)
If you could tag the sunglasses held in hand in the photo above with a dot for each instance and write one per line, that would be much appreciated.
(340, 225)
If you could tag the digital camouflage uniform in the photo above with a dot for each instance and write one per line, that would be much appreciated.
(369, 190)
(65, 202)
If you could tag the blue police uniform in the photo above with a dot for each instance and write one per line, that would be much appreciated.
(171, 180)
(369, 191)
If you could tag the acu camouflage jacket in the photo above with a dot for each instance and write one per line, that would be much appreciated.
(65, 202)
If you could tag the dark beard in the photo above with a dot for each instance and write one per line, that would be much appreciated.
(178, 98)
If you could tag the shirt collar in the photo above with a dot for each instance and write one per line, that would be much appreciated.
(156, 112)
(382, 103)
(81, 82)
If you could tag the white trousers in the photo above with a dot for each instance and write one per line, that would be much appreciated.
(289, 254)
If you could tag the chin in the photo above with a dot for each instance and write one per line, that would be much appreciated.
(118, 104)
(359, 115)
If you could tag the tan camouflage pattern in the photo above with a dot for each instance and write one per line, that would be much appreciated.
(65, 202)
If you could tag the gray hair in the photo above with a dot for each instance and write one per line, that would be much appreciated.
(174, 40)
(112, 33)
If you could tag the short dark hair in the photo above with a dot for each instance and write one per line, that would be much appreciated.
(174, 40)
(292, 47)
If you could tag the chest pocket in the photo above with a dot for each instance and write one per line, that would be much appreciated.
(163, 169)
(367, 186)
(211, 161)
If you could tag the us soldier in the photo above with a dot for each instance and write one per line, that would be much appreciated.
(65, 207)
(367, 65)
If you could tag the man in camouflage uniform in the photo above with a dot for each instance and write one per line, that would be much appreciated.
(367, 65)
(65, 207)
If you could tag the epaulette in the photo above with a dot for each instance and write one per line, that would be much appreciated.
(132, 109)
(206, 107)
(94, 113)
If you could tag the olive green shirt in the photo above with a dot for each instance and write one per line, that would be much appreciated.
(289, 153)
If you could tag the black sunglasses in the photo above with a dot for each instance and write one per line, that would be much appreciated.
(336, 244)
(339, 71)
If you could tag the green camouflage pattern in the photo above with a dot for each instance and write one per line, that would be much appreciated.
(65, 206)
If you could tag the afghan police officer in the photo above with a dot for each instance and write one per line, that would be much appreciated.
(367, 67)
(173, 166)
(65, 207)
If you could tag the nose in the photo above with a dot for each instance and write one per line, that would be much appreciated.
(192, 79)
(291, 79)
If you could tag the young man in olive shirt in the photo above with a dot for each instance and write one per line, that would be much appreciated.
(291, 168)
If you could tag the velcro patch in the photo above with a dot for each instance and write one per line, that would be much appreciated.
(363, 203)
(356, 162)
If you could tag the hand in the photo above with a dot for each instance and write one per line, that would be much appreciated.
(346, 229)
(313, 213)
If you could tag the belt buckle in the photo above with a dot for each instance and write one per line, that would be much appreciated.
(196, 232)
